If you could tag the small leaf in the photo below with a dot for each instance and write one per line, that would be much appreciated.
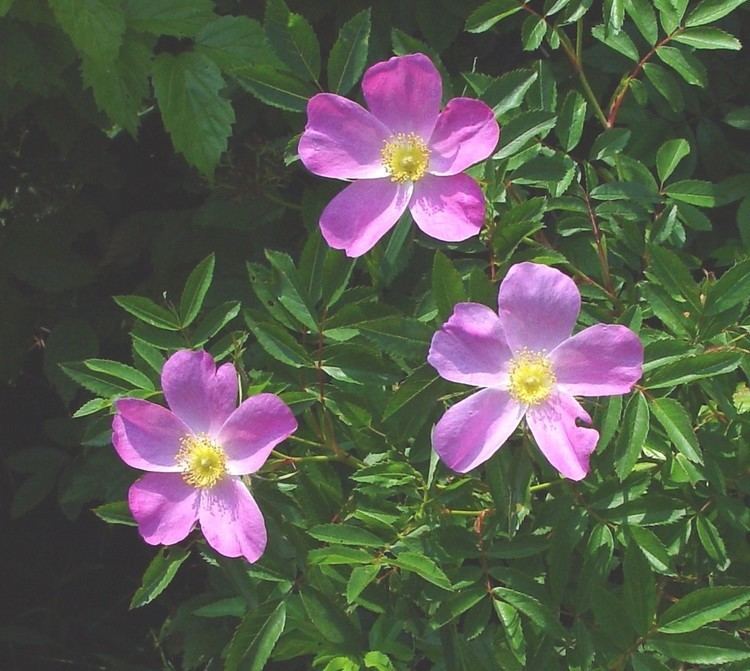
(520, 130)
(705, 646)
(733, 288)
(447, 285)
(665, 83)
(159, 574)
(348, 56)
(273, 87)
(346, 534)
(95, 27)
(620, 42)
(423, 567)
(676, 422)
(149, 312)
(569, 128)
(539, 613)
(120, 371)
(180, 18)
(488, 14)
(712, 541)
(279, 344)
(116, 512)
(701, 607)
(639, 590)
(360, 578)
(694, 191)
(216, 319)
(694, 368)
(707, 38)
(293, 40)
(196, 287)
(255, 639)
(508, 91)
(709, 11)
(669, 156)
(652, 548)
(533, 31)
(635, 427)
(642, 13)
(685, 64)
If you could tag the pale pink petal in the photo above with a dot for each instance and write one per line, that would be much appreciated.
(164, 506)
(253, 430)
(538, 307)
(404, 92)
(466, 133)
(198, 392)
(342, 139)
(231, 520)
(448, 208)
(147, 435)
(566, 445)
(472, 430)
(470, 347)
(363, 213)
(599, 361)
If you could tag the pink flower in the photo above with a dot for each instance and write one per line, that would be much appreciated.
(195, 453)
(529, 365)
(403, 153)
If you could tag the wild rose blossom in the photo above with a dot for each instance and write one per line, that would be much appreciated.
(403, 152)
(529, 366)
(195, 453)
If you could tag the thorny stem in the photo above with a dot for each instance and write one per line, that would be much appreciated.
(600, 251)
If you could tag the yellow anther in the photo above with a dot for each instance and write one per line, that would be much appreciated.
(203, 461)
(532, 378)
(405, 156)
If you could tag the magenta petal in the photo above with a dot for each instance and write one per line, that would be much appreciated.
(231, 520)
(342, 139)
(538, 306)
(198, 392)
(471, 431)
(147, 435)
(363, 213)
(253, 430)
(466, 133)
(471, 348)
(448, 208)
(404, 92)
(599, 361)
(566, 445)
(164, 506)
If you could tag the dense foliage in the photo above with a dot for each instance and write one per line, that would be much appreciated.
(149, 153)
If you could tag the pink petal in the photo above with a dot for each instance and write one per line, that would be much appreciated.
(471, 348)
(147, 435)
(539, 306)
(404, 92)
(466, 133)
(253, 430)
(363, 213)
(231, 520)
(471, 431)
(599, 361)
(448, 208)
(200, 394)
(342, 139)
(164, 506)
(566, 445)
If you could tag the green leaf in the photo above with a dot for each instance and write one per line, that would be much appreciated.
(652, 548)
(159, 574)
(198, 118)
(708, 38)
(488, 14)
(196, 287)
(328, 617)
(93, 406)
(705, 646)
(180, 18)
(507, 92)
(233, 606)
(694, 191)
(360, 578)
(685, 64)
(99, 384)
(635, 427)
(274, 88)
(739, 117)
(447, 285)
(411, 390)
(214, 321)
(649, 510)
(290, 293)
(666, 267)
(120, 371)
(733, 288)
(642, 13)
(694, 368)
(666, 84)
(116, 512)
(95, 27)
(345, 534)
(423, 567)
(614, 14)
(120, 86)
(235, 41)
(709, 11)
(513, 629)
(293, 40)
(398, 336)
(348, 57)
(712, 541)
(676, 422)
(533, 31)
(520, 130)
(255, 638)
(701, 607)
(639, 590)
(620, 42)
(669, 155)
(338, 555)
(149, 312)
(569, 128)
(539, 613)
(5, 6)
(279, 344)
(610, 142)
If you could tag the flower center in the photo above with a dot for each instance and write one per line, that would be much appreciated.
(531, 378)
(203, 461)
(405, 156)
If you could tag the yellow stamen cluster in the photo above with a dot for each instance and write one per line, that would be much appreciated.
(405, 156)
(532, 378)
(203, 461)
